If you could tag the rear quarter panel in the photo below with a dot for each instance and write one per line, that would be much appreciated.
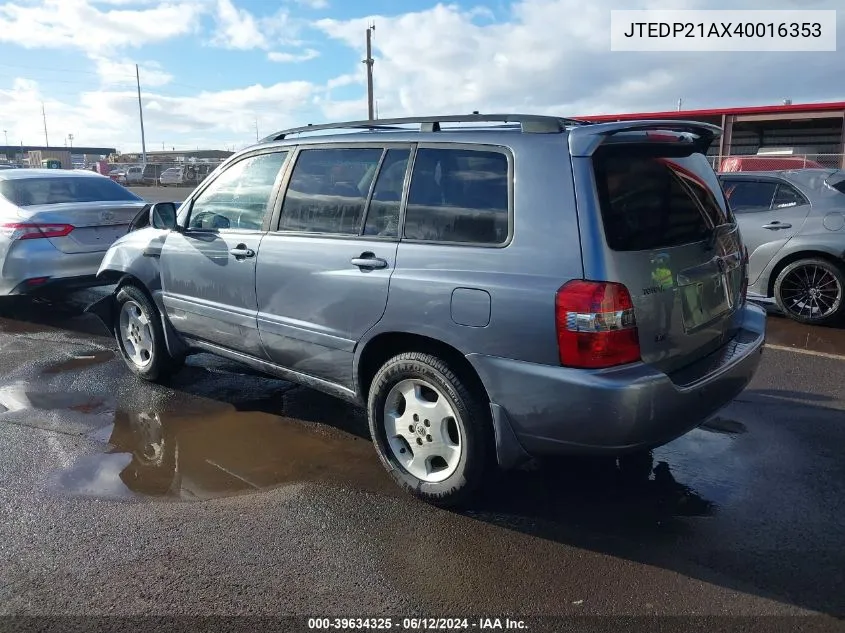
(813, 240)
(823, 232)
(520, 278)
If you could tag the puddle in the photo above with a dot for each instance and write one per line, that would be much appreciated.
(188, 457)
(724, 425)
(709, 460)
(80, 360)
(73, 413)
(20, 397)
(782, 331)
(12, 326)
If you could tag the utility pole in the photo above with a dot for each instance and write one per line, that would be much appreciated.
(141, 115)
(6, 134)
(680, 103)
(256, 129)
(369, 62)
(70, 138)
(44, 117)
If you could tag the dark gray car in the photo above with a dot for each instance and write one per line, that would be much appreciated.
(532, 288)
(793, 223)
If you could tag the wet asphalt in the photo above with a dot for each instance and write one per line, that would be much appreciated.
(232, 493)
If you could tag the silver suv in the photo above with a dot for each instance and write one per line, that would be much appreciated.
(491, 288)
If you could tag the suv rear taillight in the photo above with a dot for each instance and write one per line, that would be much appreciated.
(744, 288)
(31, 231)
(596, 327)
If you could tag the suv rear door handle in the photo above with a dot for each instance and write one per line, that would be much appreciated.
(368, 261)
(774, 226)
(241, 251)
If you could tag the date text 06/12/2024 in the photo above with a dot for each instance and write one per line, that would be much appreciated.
(416, 624)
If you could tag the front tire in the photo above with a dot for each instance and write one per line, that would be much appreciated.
(811, 291)
(431, 432)
(140, 337)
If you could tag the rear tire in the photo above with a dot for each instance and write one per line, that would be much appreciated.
(811, 291)
(430, 431)
(140, 337)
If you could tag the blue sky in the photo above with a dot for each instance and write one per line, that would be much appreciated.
(211, 68)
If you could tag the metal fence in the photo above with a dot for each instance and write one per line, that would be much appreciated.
(753, 162)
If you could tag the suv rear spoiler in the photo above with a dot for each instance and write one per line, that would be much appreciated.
(585, 140)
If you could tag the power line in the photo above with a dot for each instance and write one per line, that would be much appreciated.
(130, 79)
(51, 69)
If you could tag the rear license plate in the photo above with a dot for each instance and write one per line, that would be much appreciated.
(704, 301)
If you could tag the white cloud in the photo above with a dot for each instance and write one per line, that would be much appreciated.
(122, 73)
(544, 56)
(304, 56)
(238, 29)
(343, 80)
(110, 117)
(82, 25)
(554, 56)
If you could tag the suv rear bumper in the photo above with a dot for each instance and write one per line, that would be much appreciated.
(555, 410)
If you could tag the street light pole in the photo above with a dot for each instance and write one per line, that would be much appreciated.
(44, 117)
(369, 62)
(70, 138)
(141, 115)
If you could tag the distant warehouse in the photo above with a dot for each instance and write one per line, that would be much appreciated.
(811, 133)
(33, 155)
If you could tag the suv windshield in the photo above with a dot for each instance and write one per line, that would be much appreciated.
(26, 192)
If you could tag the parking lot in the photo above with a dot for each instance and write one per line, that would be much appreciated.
(162, 194)
(234, 493)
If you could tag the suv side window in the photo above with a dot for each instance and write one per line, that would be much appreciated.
(788, 196)
(238, 197)
(328, 190)
(383, 212)
(749, 196)
(458, 195)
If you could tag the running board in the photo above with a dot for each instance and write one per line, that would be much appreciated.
(306, 380)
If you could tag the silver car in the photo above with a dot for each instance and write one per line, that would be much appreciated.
(488, 293)
(172, 176)
(56, 225)
(793, 224)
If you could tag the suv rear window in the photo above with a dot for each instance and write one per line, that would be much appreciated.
(650, 202)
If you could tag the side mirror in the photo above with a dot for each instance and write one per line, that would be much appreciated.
(163, 216)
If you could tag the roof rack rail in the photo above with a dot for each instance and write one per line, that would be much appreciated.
(530, 124)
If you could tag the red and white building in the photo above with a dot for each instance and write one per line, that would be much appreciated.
(778, 136)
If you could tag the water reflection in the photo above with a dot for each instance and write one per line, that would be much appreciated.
(202, 455)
